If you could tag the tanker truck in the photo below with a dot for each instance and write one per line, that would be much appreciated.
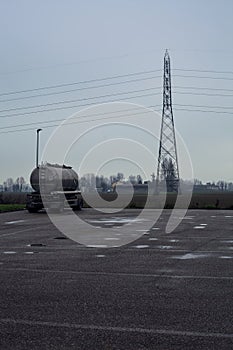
(55, 187)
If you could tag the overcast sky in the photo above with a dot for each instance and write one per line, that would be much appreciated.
(50, 43)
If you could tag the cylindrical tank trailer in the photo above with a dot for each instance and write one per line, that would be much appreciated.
(55, 186)
(55, 178)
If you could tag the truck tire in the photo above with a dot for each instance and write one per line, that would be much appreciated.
(32, 210)
(79, 206)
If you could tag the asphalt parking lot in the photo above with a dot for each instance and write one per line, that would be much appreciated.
(162, 291)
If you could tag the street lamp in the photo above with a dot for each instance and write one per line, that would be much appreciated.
(37, 147)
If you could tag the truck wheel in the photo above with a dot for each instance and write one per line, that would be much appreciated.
(32, 210)
(79, 206)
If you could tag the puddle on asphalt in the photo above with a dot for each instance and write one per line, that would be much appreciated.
(36, 245)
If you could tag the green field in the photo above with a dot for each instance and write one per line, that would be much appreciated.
(11, 207)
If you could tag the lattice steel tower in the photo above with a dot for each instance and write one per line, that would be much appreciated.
(168, 170)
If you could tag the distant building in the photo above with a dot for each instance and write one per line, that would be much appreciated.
(208, 187)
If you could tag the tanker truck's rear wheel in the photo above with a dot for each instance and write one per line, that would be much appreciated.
(32, 210)
(79, 206)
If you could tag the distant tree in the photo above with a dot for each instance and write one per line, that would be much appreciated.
(132, 179)
(221, 185)
(169, 175)
(139, 179)
(120, 176)
(104, 184)
(22, 182)
(153, 177)
(9, 184)
(197, 182)
(113, 179)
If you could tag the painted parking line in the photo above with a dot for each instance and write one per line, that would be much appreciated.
(20, 231)
(167, 332)
(119, 274)
(13, 222)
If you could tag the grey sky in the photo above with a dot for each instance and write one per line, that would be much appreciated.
(55, 42)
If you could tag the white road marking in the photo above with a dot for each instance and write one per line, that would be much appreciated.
(187, 218)
(165, 247)
(190, 256)
(199, 227)
(141, 246)
(97, 246)
(20, 231)
(13, 222)
(92, 327)
(226, 257)
(111, 239)
(9, 252)
(153, 239)
(116, 220)
(122, 274)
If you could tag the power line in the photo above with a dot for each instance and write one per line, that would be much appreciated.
(77, 122)
(122, 76)
(201, 77)
(77, 100)
(203, 71)
(204, 111)
(175, 104)
(79, 82)
(112, 84)
(76, 106)
(90, 120)
(203, 106)
(200, 94)
(201, 88)
(75, 117)
(80, 89)
(93, 98)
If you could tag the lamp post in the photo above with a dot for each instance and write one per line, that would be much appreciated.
(37, 147)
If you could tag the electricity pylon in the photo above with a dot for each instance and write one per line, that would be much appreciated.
(167, 170)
